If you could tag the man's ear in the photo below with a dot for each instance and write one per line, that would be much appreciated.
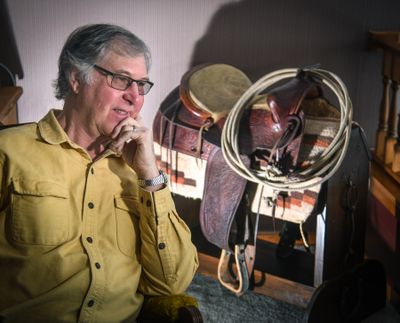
(74, 81)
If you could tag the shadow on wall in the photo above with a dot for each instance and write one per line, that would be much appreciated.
(259, 36)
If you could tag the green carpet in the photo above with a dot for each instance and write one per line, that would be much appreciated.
(219, 305)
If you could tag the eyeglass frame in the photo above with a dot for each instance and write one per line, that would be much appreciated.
(130, 80)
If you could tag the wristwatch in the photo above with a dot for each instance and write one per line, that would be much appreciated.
(160, 179)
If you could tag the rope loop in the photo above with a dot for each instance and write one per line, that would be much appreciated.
(316, 173)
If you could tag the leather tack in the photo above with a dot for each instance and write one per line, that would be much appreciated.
(90, 303)
(161, 245)
(90, 205)
(89, 239)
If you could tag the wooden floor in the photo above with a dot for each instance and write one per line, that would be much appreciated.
(273, 286)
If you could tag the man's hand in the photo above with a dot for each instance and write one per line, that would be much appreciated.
(135, 142)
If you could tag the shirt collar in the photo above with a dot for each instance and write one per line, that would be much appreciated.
(51, 131)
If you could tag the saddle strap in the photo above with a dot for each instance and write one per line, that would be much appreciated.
(244, 260)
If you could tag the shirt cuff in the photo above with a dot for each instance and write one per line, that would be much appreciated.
(157, 204)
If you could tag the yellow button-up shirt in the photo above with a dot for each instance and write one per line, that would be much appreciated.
(79, 239)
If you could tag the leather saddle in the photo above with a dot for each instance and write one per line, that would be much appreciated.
(190, 121)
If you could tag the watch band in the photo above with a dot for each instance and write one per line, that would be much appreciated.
(160, 179)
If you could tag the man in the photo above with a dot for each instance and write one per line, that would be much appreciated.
(88, 225)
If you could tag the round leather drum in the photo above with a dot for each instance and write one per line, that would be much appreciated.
(209, 92)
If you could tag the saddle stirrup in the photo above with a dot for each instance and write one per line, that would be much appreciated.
(239, 284)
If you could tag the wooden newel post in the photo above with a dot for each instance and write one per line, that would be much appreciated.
(384, 108)
(394, 106)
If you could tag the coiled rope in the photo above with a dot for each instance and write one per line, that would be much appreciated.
(315, 173)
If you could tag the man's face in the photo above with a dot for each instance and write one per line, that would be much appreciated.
(103, 107)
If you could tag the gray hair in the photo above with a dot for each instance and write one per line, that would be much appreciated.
(87, 45)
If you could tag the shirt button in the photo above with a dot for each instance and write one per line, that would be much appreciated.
(98, 266)
(161, 245)
(90, 303)
(89, 239)
(148, 203)
(90, 205)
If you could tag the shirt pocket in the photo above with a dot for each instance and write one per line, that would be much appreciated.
(40, 212)
(127, 224)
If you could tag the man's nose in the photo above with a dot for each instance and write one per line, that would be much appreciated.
(132, 93)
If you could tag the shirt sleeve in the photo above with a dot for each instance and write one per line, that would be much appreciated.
(168, 256)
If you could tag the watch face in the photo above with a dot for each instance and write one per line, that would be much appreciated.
(164, 176)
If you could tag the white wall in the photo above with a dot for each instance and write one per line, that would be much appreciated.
(169, 27)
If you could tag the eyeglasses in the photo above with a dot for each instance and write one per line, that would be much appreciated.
(122, 82)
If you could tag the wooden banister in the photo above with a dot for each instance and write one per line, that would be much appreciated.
(387, 148)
